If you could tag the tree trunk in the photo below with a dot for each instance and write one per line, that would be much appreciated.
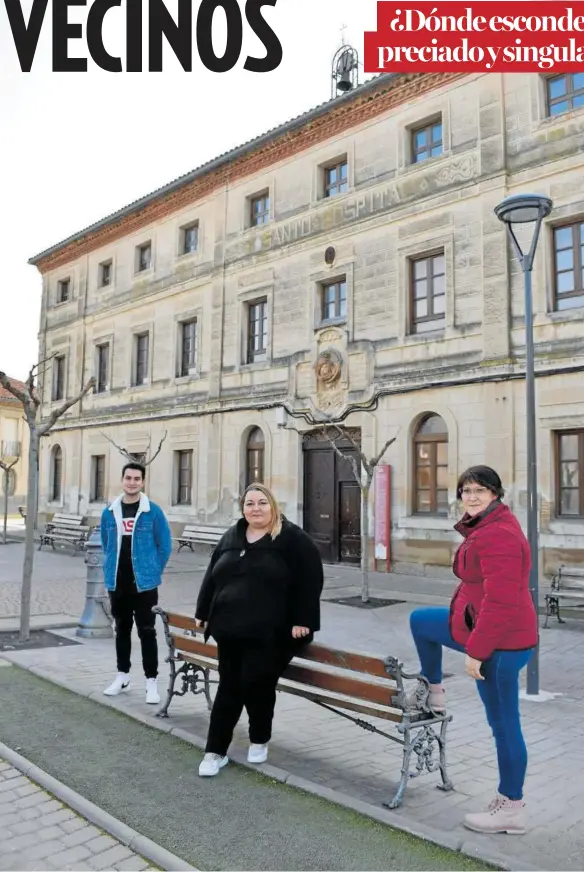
(6, 486)
(365, 543)
(33, 454)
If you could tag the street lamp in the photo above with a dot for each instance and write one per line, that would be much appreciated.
(525, 209)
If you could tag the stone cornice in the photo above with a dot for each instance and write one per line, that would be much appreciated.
(341, 117)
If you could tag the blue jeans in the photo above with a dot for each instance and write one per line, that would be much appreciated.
(499, 692)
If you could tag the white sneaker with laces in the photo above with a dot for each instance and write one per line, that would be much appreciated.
(257, 753)
(211, 764)
(152, 695)
(120, 683)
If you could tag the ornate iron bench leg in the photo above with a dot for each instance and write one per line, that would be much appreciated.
(174, 674)
(447, 784)
(207, 690)
(405, 770)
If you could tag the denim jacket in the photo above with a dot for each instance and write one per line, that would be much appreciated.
(151, 543)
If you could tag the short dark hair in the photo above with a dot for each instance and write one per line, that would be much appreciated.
(133, 464)
(484, 476)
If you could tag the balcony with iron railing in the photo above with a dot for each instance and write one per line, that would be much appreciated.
(10, 448)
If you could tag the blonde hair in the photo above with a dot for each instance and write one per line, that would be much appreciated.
(276, 527)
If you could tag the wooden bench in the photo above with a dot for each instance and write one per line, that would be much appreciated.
(567, 583)
(65, 528)
(199, 533)
(346, 683)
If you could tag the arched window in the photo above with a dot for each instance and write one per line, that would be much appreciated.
(431, 467)
(254, 471)
(56, 476)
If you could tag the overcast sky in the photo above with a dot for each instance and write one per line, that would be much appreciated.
(75, 147)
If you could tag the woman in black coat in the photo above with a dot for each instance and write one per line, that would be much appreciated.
(260, 600)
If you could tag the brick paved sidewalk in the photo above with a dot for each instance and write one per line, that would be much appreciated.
(38, 832)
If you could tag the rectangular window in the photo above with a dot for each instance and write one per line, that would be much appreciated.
(188, 340)
(336, 179)
(565, 92)
(260, 209)
(189, 238)
(334, 300)
(569, 266)
(143, 257)
(141, 371)
(427, 141)
(184, 477)
(570, 469)
(63, 291)
(102, 366)
(97, 484)
(257, 344)
(105, 274)
(428, 294)
(59, 377)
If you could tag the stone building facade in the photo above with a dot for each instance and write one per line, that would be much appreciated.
(346, 264)
(13, 445)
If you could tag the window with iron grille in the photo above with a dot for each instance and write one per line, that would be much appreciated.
(184, 477)
(102, 368)
(260, 209)
(255, 448)
(105, 274)
(565, 92)
(56, 474)
(188, 344)
(190, 238)
(570, 474)
(334, 300)
(426, 141)
(257, 334)
(141, 371)
(143, 257)
(427, 293)
(59, 377)
(63, 290)
(431, 467)
(569, 266)
(336, 178)
(97, 484)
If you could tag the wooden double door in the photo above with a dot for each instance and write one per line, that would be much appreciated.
(332, 498)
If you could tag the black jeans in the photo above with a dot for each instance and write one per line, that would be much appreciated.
(125, 609)
(249, 671)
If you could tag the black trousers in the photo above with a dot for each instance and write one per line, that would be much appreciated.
(249, 671)
(126, 609)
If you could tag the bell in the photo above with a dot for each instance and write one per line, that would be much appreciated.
(344, 82)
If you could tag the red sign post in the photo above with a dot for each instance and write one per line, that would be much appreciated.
(382, 515)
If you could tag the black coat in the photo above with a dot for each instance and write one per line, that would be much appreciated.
(263, 589)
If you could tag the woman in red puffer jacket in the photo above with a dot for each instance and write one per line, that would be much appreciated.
(493, 620)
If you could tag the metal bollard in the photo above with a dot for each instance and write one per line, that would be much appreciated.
(95, 622)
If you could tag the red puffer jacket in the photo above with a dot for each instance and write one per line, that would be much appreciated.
(492, 609)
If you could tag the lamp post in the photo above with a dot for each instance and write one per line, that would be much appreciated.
(528, 209)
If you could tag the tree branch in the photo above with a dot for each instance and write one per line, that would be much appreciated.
(351, 460)
(16, 392)
(375, 460)
(123, 451)
(56, 414)
(8, 466)
(157, 450)
(344, 434)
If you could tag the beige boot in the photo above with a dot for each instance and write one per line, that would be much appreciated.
(502, 816)
(436, 698)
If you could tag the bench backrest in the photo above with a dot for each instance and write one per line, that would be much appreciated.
(353, 671)
(571, 577)
(201, 528)
(64, 520)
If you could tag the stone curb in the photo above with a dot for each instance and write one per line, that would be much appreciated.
(126, 835)
(398, 820)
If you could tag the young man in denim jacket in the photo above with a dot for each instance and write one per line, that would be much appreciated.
(136, 543)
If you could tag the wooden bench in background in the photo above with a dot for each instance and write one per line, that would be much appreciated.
(194, 534)
(567, 583)
(66, 529)
(346, 683)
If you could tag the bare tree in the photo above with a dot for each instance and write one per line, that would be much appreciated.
(6, 466)
(364, 482)
(129, 455)
(31, 404)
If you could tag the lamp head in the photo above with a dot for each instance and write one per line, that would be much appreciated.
(523, 209)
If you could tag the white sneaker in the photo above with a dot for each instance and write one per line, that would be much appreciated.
(152, 695)
(211, 764)
(257, 754)
(121, 682)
